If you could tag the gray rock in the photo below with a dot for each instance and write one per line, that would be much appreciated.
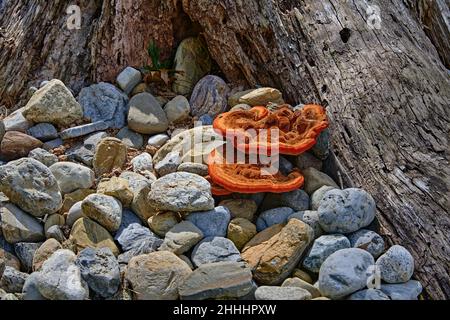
(72, 176)
(298, 200)
(18, 226)
(219, 280)
(345, 211)
(43, 131)
(105, 210)
(181, 237)
(12, 281)
(396, 265)
(158, 140)
(273, 216)
(285, 166)
(344, 272)
(146, 115)
(209, 96)
(192, 167)
(128, 217)
(75, 213)
(215, 249)
(93, 140)
(85, 152)
(130, 138)
(307, 160)
(53, 103)
(314, 179)
(43, 156)
(30, 290)
(128, 79)
(368, 294)
(52, 144)
(100, 269)
(104, 102)
(317, 196)
(322, 147)
(213, 223)
(404, 291)
(60, 278)
(25, 252)
(181, 191)
(135, 181)
(83, 130)
(367, 240)
(142, 163)
(31, 185)
(311, 218)
(5, 245)
(281, 293)
(205, 120)
(137, 236)
(322, 248)
(177, 109)
(169, 164)
(55, 232)
(17, 122)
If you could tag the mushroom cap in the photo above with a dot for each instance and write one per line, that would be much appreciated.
(297, 130)
(216, 189)
(250, 178)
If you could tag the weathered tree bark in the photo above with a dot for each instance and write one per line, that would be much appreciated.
(387, 90)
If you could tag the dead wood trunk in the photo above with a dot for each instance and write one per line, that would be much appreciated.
(387, 90)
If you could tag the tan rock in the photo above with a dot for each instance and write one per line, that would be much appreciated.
(141, 87)
(240, 231)
(89, 234)
(162, 222)
(44, 252)
(110, 153)
(240, 208)
(71, 198)
(260, 97)
(15, 145)
(140, 204)
(156, 276)
(233, 99)
(299, 283)
(117, 188)
(303, 275)
(274, 252)
(8, 260)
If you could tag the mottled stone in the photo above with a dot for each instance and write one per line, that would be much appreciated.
(104, 102)
(345, 211)
(105, 210)
(215, 249)
(396, 265)
(299, 283)
(311, 218)
(12, 280)
(181, 191)
(404, 291)
(44, 252)
(18, 226)
(25, 251)
(344, 272)
(196, 168)
(367, 240)
(17, 122)
(221, 280)
(135, 235)
(117, 188)
(322, 248)
(209, 96)
(169, 164)
(261, 97)
(143, 164)
(322, 147)
(156, 276)
(71, 198)
(53, 103)
(317, 196)
(43, 156)
(162, 222)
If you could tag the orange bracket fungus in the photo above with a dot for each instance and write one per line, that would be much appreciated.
(297, 130)
(248, 178)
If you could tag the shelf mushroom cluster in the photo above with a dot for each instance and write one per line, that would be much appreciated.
(249, 131)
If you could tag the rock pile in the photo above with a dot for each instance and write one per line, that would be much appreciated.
(101, 199)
